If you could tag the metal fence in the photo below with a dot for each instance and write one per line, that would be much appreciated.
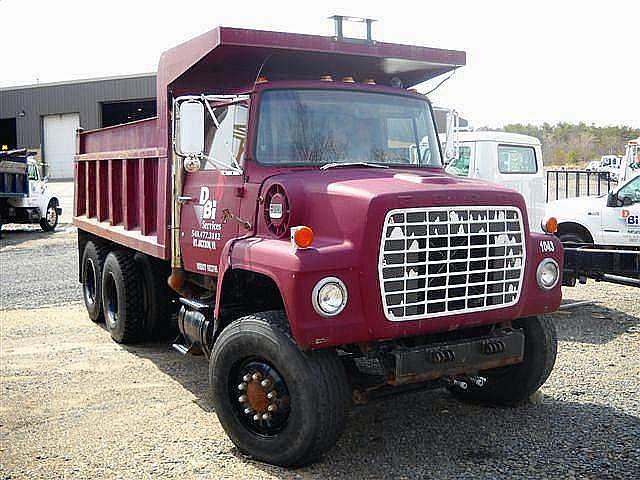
(577, 183)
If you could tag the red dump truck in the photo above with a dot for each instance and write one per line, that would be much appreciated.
(286, 214)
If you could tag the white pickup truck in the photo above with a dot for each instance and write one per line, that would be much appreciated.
(611, 219)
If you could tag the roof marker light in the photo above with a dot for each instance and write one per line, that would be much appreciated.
(326, 78)
(261, 79)
(348, 80)
(370, 81)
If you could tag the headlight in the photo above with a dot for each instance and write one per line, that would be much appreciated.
(329, 296)
(548, 273)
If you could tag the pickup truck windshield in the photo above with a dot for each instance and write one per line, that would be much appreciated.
(318, 127)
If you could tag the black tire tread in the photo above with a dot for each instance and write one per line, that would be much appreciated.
(132, 293)
(524, 378)
(99, 251)
(332, 390)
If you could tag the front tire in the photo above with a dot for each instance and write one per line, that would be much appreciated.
(514, 384)
(50, 221)
(121, 297)
(306, 396)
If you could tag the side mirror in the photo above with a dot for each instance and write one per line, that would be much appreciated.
(612, 200)
(191, 128)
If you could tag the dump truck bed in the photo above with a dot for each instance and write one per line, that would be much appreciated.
(122, 173)
(13, 174)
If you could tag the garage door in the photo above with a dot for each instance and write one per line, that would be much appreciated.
(60, 144)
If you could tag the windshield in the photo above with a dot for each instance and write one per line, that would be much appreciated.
(317, 127)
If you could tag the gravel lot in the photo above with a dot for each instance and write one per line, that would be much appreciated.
(76, 405)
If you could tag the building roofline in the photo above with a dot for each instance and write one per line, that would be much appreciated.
(82, 80)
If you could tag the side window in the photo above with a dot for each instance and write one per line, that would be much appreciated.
(225, 138)
(631, 190)
(32, 172)
(516, 159)
(460, 166)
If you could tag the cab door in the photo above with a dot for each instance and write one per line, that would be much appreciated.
(621, 224)
(213, 192)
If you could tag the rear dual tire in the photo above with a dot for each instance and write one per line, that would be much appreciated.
(122, 296)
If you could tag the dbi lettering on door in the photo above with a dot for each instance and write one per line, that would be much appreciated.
(207, 205)
(209, 232)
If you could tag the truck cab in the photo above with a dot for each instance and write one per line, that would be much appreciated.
(289, 210)
(509, 159)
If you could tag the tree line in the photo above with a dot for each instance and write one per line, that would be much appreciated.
(575, 144)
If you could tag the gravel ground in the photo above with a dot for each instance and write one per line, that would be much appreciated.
(38, 268)
(76, 405)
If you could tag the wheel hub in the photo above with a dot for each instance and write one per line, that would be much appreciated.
(262, 400)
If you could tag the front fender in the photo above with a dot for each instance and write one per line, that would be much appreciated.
(296, 272)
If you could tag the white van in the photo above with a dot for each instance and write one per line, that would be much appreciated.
(510, 159)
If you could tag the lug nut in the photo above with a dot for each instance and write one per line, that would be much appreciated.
(246, 378)
(256, 376)
(272, 408)
(271, 395)
(242, 398)
(256, 417)
(265, 383)
(248, 411)
(242, 386)
(266, 416)
(459, 384)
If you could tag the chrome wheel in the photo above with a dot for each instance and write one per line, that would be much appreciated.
(52, 217)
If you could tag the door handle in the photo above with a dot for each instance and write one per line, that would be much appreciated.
(184, 199)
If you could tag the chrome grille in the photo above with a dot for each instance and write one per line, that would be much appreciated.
(442, 261)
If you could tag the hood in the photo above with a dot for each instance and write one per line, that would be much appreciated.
(339, 203)
(570, 207)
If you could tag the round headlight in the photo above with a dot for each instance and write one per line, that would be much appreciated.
(329, 296)
(548, 273)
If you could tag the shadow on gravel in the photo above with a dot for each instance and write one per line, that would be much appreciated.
(23, 234)
(430, 435)
(192, 372)
(595, 324)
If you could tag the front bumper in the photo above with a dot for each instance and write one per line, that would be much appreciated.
(430, 362)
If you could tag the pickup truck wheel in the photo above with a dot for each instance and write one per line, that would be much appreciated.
(277, 403)
(573, 238)
(514, 384)
(50, 221)
(122, 297)
(93, 258)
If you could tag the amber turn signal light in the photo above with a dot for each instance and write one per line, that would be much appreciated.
(302, 236)
(550, 225)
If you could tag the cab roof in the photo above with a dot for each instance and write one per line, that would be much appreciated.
(232, 59)
(495, 136)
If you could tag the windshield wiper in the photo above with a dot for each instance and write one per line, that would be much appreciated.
(327, 166)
